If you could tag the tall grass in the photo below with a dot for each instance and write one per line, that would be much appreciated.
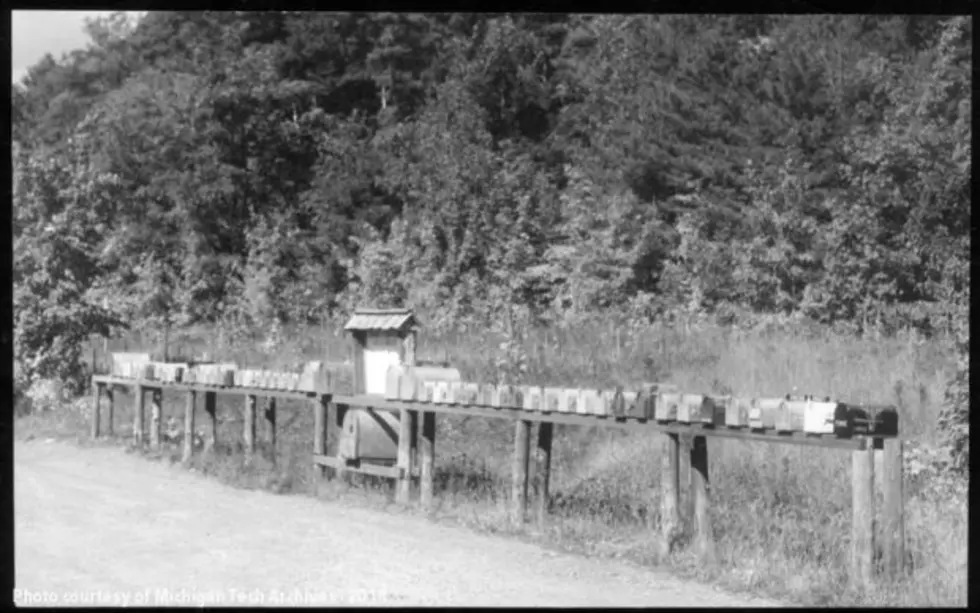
(780, 513)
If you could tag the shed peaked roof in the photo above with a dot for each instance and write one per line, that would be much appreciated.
(381, 319)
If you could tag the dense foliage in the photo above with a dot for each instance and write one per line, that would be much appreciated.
(281, 166)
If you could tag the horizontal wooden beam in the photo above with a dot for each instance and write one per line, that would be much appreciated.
(574, 419)
(390, 472)
(626, 423)
(203, 387)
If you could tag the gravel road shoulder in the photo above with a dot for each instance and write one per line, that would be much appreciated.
(100, 527)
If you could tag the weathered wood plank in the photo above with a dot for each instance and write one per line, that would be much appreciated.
(98, 389)
(156, 418)
(704, 544)
(670, 518)
(893, 511)
(249, 424)
(862, 526)
(211, 408)
(271, 427)
(189, 426)
(110, 421)
(428, 458)
(403, 488)
(331, 465)
(543, 470)
(320, 429)
(519, 468)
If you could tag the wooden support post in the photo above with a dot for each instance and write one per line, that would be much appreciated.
(704, 543)
(189, 426)
(518, 485)
(138, 415)
(249, 433)
(211, 408)
(862, 527)
(403, 487)
(270, 421)
(670, 477)
(414, 443)
(684, 471)
(156, 417)
(94, 369)
(96, 402)
(428, 458)
(110, 417)
(893, 513)
(320, 430)
(335, 415)
(543, 469)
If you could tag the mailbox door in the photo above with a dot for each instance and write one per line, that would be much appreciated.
(381, 351)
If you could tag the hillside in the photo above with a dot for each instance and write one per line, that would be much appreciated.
(500, 171)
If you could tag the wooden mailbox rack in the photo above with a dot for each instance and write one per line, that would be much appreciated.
(419, 418)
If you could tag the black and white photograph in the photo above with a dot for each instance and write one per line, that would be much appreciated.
(468, 309)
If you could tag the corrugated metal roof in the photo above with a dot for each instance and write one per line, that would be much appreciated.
(381, 319)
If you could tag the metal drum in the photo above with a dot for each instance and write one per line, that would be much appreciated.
(370, 435)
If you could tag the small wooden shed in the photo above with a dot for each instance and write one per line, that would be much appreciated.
(380, 338)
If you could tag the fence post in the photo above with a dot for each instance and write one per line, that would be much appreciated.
(138, 415)
(519, 470)
(270, 420)
(893, 521)
(700, 493)
(670, 478)
(211, 408)
(156, 416)
(686, 502)
(862, 527)
(404, 482)
(96, 401)
(320, 425)
(249, 426)
(111, 409)
(189, 426)
(543, 469)
(428, 455)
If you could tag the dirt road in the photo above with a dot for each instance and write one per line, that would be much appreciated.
(99, 527)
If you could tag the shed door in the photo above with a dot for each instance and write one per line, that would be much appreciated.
(380, 352)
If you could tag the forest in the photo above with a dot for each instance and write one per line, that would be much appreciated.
(280, 168)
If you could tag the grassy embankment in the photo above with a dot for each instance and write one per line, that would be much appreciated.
(781, 513)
